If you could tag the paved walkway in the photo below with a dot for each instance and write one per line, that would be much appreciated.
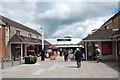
(60, 69)
(0, 72)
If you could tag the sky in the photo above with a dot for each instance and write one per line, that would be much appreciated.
(59, 19)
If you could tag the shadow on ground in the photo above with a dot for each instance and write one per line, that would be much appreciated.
(113, 64)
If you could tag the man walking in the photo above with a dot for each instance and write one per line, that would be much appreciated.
(78, 57)
(60, 52)
(98, 55)
(71, 55)
(42, 55)
(65, 55)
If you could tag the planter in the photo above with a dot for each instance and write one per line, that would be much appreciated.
(52, 57)
(30, 59)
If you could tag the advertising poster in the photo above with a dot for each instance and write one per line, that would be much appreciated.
(107, 48)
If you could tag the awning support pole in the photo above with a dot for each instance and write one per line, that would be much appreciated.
(86, 50)
(116, 50)
(21, 54)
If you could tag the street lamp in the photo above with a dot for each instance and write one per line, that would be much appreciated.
(42, 37)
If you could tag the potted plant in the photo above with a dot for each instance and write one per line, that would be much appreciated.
(52, 57)
(30, 59)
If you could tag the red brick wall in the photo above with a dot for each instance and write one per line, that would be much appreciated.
(2, 42)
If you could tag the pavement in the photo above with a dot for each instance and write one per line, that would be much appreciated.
(0, 72)
(60, 69)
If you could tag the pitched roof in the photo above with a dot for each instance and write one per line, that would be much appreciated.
(80, 43)
(17, 25)
(22, 39)
(2, 23)
(100, 35)
(110, 19)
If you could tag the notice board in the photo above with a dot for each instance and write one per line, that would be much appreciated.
(107, 48)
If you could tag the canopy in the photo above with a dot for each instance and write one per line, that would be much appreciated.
(53, 47)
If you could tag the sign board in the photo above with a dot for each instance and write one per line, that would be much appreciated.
(107, 48)
(63, 39)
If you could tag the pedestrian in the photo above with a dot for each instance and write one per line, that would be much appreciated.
(98, 54)
(60, 52)
(42, 55)
(78, 57)
(65, 55)
(71, 55)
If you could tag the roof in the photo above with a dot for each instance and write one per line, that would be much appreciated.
(26, 40)
(80, 43)
(110, 19)
(100, 35)
(2, 23)
(116, 34)
(17, 25)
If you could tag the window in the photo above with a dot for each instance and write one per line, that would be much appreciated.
(29, 35)
(17, 32)
(37, 37)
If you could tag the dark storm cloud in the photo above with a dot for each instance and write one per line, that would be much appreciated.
(77, 12)
(60, 19)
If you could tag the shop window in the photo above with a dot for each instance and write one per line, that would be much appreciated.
(37, 37)
(106, 27)
(118, 48)
(29, 35)
(107, 48)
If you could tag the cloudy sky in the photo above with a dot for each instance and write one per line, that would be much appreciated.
(59, 19)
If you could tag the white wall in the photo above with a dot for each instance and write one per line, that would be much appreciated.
(54, 41)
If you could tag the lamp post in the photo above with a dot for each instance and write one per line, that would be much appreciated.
(42, 37)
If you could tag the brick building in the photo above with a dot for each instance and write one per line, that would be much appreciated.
(106, 38)
(2, 38)
(16, 38)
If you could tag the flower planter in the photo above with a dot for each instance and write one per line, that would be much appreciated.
(30, 59)
(52, 57)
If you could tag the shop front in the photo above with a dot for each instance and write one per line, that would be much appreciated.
(118, 50)
(107, 50)
(22, 46)
(101, 39)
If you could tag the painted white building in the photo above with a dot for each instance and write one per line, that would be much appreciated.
(64, 42)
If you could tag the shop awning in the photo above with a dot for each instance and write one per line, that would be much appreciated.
(26, 40)
(100, 35)
(53, 47)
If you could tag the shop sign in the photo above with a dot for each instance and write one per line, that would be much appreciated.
(107, 48)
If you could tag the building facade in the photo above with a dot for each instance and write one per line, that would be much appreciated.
(69, 43)
(102, 38)
(17, 38)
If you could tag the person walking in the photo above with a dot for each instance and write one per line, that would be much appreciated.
(78, 57)
(42, 55)
(65, 55)
(71, 55)
(60, 52)
(98, 55)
